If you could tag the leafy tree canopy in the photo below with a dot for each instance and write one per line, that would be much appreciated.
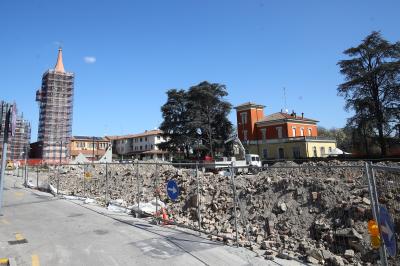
(197, 117)
(372, 86)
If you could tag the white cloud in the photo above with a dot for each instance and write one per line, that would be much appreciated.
(89, 59)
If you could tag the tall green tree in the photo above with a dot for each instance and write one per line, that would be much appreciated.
(371, 87)
(198, 116)
(209, 114)
(175, 124)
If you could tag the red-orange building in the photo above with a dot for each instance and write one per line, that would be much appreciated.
(280, 135)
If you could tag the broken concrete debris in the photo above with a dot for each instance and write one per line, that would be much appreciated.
(317, 214)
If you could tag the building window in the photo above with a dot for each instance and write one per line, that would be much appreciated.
(309, 132)
(293, 131)
(302, 131)
(158, 137)
(296, 152)
(322, 151)
(279, 129)
(145, 147)
(244, 118)
(145, 139)
(141, 139)
(140, 147)
(315, 151)
(245, 134)
(265, 153)
(264, 134)
(330, 149)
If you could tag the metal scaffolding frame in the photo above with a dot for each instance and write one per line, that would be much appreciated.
(55, 100)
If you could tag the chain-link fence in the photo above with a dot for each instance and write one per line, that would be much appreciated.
(316, 212)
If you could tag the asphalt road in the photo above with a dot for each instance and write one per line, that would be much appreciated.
(39, 229)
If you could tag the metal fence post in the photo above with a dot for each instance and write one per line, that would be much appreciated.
(106, 193)
(234, 203)
(26, 174)
(198, 196)
(37, 177)
(84, 180)
(138, 189)
(58, 179)
(156, 189)
(382, 249)
(375, 207)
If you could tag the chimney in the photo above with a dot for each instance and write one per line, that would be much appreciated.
(302, 115)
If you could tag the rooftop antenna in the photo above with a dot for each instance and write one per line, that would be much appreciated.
(284, 98)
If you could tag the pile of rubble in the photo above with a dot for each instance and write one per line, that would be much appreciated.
(317, 213)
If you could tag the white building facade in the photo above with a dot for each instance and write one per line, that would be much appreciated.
(142, 146)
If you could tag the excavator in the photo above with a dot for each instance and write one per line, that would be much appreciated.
(252, 161)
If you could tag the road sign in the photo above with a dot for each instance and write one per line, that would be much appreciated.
(387, 228)
(172, 189)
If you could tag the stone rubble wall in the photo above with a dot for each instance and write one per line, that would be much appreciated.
(317, 214)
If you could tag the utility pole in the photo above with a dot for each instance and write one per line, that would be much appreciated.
(4, 152)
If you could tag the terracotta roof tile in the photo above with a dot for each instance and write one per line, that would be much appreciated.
(285, 116)
(144, 134)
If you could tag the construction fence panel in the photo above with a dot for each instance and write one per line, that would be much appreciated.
(183, 210)
(387, 183)
(146, 199)
(217, 205)
(38, 177)
(205, 202)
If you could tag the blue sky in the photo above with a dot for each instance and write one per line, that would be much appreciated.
(143, 48)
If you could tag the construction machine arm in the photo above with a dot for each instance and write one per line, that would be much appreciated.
(236, 140)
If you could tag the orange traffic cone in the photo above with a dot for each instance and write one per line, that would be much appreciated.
(164, 216)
